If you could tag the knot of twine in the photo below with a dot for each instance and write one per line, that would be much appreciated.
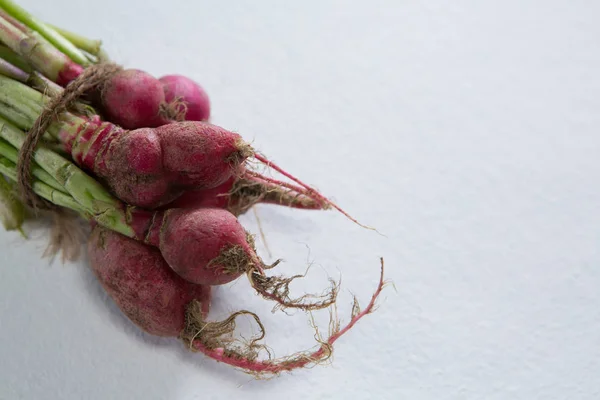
(91, 78)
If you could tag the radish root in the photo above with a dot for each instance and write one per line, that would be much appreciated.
(235, 259)
(278, 288)
(307, 189)
(216, 340)
(246, 193)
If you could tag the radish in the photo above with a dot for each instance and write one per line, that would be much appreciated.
(131, 98)
(137, 278)
(240, 193)
(147, 296)
(161, 303)
(157, 265)
(209, 246)
(206, 246)
(153, 189)
(134, 99)
(186, 100)
(147, 167)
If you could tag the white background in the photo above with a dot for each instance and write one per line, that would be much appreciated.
(466, 131)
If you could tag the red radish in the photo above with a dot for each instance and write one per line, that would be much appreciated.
(57, 66)
(238, 194)
(186, 100)
(135, 99)
(150, 167)
(160, 303)
(132, 99)
(308, 190)
(217, 197)
(196, 243)
(209, 246)
(138, 279)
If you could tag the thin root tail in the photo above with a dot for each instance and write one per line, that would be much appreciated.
(215, 340)
(308, 190)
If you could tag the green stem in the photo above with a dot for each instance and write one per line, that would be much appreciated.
(45, 86)
(21, 105)
(103, 56)
(9, 152)
(7, 69)
(50, 34)
(26, 103)
(61, 199)
(91, 195)
(80, 185)
(16, 23)
(88, 45)
(12, 211)
(10, 56)
(38, 52)
(55, 146)
(92, 58)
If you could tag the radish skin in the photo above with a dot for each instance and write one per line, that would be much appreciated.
(192, 241)
(161, 303)
(240, 193)
(185, 99)
(132, 99)
(138, 279)
(150, 167)
(209, 246)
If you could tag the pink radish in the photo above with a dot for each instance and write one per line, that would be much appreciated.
(150, 167)
(160, 303)
(209, 246)
(186, 100)
(138, 279)
(133, 99)
(238, 194)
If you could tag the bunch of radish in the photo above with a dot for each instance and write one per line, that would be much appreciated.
(160, 186)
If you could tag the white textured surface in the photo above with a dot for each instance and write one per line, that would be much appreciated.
(466, 131)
